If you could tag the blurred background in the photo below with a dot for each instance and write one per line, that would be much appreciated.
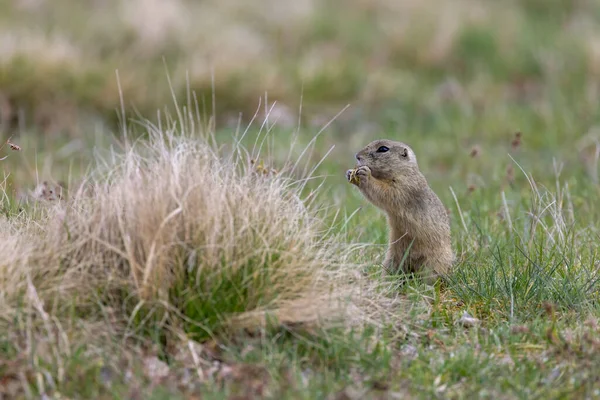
(445, 75)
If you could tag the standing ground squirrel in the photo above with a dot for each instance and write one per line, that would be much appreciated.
(387, 174)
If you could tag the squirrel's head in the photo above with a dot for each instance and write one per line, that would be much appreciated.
(387, 159)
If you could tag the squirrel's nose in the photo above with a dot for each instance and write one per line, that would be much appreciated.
(358, 157)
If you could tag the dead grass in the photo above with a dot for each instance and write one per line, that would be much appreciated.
(178, 214)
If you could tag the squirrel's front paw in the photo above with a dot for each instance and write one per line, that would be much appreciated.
(363, 173)
(358, 175)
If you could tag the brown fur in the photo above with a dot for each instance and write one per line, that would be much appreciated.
(393, 182)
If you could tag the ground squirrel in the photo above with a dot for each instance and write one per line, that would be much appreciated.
(387, 174)
(45, 191)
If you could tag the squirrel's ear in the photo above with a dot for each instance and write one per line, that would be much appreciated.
(404, 152)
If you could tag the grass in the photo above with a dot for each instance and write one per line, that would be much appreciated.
(135, 290)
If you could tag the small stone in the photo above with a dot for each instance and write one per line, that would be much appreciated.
(410, 352)
(155, 369)
(467, 320)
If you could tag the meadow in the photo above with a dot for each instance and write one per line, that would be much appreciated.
(201, 240)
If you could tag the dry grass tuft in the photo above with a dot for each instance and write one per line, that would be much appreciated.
(172, 222)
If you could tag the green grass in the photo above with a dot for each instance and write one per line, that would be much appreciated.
(526, 236)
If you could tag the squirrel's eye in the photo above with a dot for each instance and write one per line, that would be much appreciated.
(382, 149)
